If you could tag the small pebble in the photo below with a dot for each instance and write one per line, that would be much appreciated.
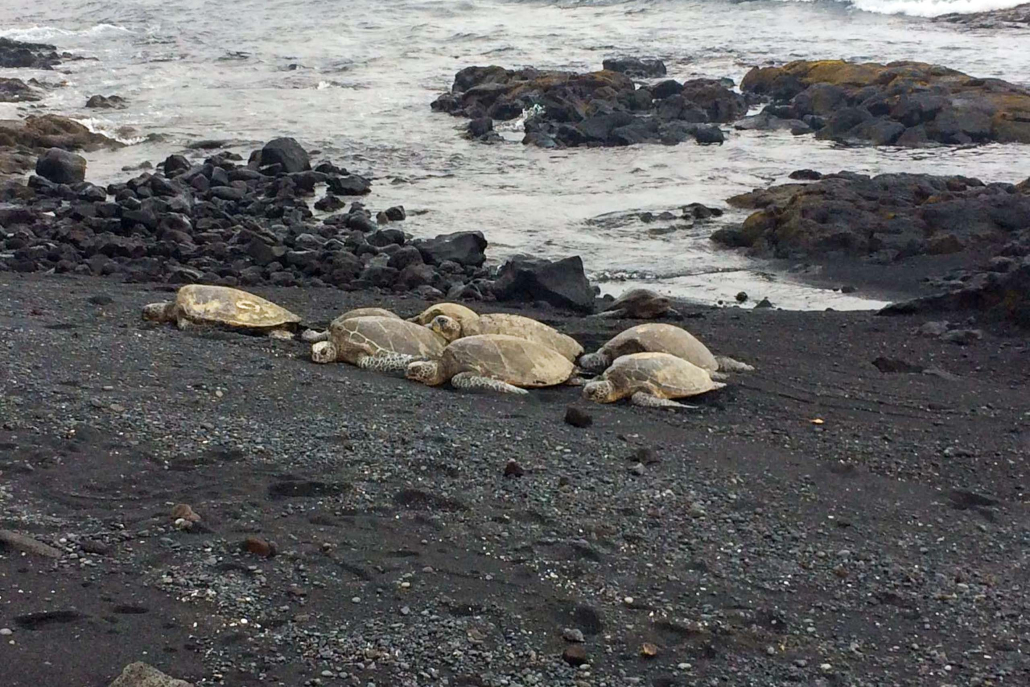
(578, 418)
(573, 635)
(575, 655)
(513, 469)
(6, 632)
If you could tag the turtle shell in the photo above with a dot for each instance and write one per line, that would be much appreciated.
(366, 312)
(527, 328)
(642, 303)
(510, 359)
(373, 335)
(659, 374)
(231, 307)
(658, 337)
(465, 316)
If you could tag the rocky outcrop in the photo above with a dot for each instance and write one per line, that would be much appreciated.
(106, 102)
(972, 237)
(884, 219)
(604, 108)
(51, 131)
(909, 104)
(19, 55)
(1002, 291)
(17, 91)
(1013, 17)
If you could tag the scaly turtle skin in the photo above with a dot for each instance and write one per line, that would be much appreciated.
(496, 362)
(640, 304)
(312, 336)
(660, 338)
(377, 343)
(198, 304)
(511, 325)
(651, 380)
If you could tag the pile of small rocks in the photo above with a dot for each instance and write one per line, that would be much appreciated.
(226, 223)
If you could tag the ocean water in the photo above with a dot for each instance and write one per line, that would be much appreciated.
(354, 80)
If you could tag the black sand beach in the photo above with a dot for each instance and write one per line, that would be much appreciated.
(742, 542)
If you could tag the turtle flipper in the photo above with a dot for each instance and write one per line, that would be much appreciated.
(646, 400)
(281, 334)
(314, 336)
(731, 365)
(385, 362)
(468, 381)
(610, 314)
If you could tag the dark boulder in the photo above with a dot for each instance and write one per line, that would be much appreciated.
(464, 248)
(20, 55)
(666, 89)
(329, 203)
(479, 128)
(562, 283)
(101, 102)
(61, 167)
(287, 153)
(175, 164)
(350, 185)
(17, 91)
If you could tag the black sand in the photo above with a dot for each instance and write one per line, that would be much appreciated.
(885, 546)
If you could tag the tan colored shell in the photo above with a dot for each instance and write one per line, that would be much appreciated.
(661, 338)
(366, 312)
(659, 374)
(519, 362)
(526, 328)
(464, 316)
(372, 335)
(204, 304)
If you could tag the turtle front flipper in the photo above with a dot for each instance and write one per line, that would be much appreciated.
(281, 334)
(385, 362)
(314, 336)
(610, 314)
(646, 400)
(731, 365)
(469, 381)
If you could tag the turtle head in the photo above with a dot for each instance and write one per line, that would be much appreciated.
(323, 352)
(447, 327)
(159, 312)
(601, 391)
(594, 362)
(428, 372)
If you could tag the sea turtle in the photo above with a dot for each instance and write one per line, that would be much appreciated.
(377, 343)
(313, 336)
(661, 338)
(640, 304)
(497, 362)
(198, 304)
(651, 380)
(519, 326)
(455, 311)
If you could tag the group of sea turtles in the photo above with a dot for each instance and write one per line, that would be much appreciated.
(651, 364)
